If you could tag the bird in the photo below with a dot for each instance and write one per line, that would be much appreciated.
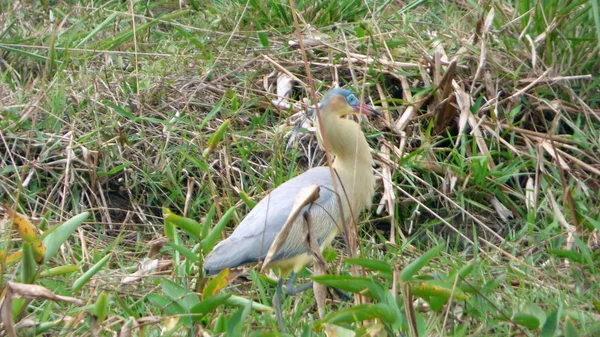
(353, 166)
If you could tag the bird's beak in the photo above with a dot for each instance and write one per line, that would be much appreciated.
(366, 110)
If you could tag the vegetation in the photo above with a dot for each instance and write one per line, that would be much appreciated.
(487, 214)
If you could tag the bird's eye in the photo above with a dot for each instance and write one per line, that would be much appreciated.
(352, 100)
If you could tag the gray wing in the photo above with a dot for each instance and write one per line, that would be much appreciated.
(253, 237)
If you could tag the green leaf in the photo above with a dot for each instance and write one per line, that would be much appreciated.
(61, 233)
(460, 330)
(212, 113)
(208, 220)
(413, 268)
(198, 162)
(235, 322)
(551, 324)
(182, 295)
(190, 226)
(527, 320)
(101, 307)
(166, 304)
(114, 243)
(17, 51)
(567, 254)
(28, 265)
(464, 271)
(124, 113)
(81, 281)
(262, 35)
(247, 200)
(115, 170)
(188, 254)
(208, 305)
(216, 138)
(238, 301)
(209, 241)
(569, 328)
(353, 284)
(359, 313)
(60, 270)
(437, 292)
(437, 288)
(104, 24)
(378, 265)
(493, 284)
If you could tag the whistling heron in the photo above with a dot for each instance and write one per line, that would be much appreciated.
(251, 240)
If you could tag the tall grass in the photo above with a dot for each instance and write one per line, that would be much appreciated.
(486, 216)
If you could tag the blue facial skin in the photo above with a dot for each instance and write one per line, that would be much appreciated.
(350, 98)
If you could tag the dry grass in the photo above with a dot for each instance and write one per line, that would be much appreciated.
(489, 142)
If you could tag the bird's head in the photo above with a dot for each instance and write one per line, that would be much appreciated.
(343, 102)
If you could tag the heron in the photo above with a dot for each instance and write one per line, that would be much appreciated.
(355, 185)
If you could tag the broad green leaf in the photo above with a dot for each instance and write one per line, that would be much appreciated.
(536, 311)
(569, 328)
(182, 295)
(166, 304)
(60, 270)
(188, 254)
(353, 284)
(208, 305)
(169, 229)
(551, 324)
(209, 241)
(414, 267)
(437, 288)
(527, 320)
(190, 226)
(262, 36)
(567, 254)
(208, 220)
(373, 264)
(238, 301)
(235, 322)
(61, 233)
(359, 313)
(493, 284)
(460, 330)
(247, 200)
(464, 271)
(220, 325)
(83, 279)
(101, 307)
(28, 265)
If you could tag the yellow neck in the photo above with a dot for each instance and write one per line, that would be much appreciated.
(353, 161)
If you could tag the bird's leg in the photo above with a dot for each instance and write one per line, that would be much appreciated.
(342, 295)
(277, 304)
(291, 289)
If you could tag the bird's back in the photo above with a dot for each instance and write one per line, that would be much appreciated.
(253, 237)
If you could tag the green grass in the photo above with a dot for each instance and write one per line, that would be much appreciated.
(493, 233)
